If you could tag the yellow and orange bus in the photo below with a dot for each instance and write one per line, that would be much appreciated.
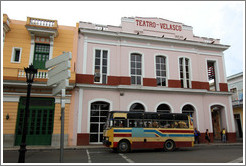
(125, 131)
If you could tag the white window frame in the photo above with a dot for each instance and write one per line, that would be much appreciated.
(142, 67)
(184, 72)
(13, 54)
(101, 64)
(167, 68)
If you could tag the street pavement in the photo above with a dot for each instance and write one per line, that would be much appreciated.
(101, 146)
(200, 153)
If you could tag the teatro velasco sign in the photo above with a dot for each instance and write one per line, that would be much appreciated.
(157, 27)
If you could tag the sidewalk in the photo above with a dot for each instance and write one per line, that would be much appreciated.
(101, 146)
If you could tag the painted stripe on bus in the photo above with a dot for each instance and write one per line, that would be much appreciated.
(122, 130)
(169, 135)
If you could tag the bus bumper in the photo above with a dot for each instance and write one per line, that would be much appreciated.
(106, 142)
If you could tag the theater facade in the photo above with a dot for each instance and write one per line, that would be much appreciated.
(148, 65)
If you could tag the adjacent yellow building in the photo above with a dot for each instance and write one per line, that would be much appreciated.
(34, 41)
(235, 85)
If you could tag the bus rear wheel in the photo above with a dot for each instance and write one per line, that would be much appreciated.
(169, 145)
(123, 146)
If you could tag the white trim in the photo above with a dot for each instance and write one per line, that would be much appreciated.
(11, 98)
(195, 111)
(13, 54)
(232, 115)
(164, 102)
(35, 30)
(224, 69)
(51, 46)
(152, 47)
(80, 110)
(167, 66)
(226, 116)
(89, 109)
(32, 94)
(147, 88)
(32, 49)
(85, 55)
(137, 101)
(140, 37)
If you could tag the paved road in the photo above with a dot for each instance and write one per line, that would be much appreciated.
(200, 154)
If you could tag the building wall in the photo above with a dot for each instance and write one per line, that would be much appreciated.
(239, 111)
(151, 100)
(11, 109)
(120, 94)
(119, 57)
(20, 37)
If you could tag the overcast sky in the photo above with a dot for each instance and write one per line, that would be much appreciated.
(219, 20)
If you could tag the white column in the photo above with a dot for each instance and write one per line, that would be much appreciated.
(51, 46)
(32, 49)
(85, 55)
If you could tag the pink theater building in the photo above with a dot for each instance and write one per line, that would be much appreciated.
(151, 65)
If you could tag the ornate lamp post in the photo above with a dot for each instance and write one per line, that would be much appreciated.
(30, 72)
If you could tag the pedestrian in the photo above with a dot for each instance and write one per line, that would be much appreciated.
(196, 134)
(207, 136)
(224, 135)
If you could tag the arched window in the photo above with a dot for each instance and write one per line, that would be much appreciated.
(164, 108)
(188, 109)
(136, 69)
(137, 107)
(99, 113)
(161, 72)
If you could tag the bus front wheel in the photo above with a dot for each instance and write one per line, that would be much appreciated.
(123, 146)
(169, 145)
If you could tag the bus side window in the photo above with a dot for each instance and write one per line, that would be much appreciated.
(139, 123)
(164, 124)
(119, 123)
(131, 123)
(183, 124)
(147, 123)
(155, 124)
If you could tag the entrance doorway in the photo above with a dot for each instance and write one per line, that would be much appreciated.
(40, 121)
(238, 125)
(99, 113)
(218, 120)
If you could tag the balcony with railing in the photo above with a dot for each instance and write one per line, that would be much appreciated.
(18, 74)
(237, 103)
(42, 27)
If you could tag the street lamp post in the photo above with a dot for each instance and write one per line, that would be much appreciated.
(30, 72)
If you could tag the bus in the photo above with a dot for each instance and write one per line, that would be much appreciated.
(125, 131)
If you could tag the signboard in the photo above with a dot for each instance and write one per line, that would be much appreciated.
(66, 56)
(59, 72)
(158, 25)
(64, 74)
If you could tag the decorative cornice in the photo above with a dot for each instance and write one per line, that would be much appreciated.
(156, 89)
(153, 38)
(39, 31)
(39, 85)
